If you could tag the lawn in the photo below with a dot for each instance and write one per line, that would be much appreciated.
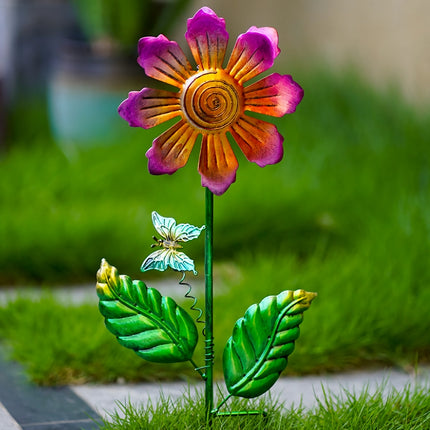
(345, 214)
(408, 410)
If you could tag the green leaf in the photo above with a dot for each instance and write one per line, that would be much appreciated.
(262, 340)
(154, 326)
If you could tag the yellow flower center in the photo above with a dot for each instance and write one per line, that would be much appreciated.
(212, 100)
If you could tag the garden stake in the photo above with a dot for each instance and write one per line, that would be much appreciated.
(209, 351)
(210, 101)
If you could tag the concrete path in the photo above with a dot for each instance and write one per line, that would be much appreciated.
(290, 391)
(90, 401)
(6, 420)
(86, 293)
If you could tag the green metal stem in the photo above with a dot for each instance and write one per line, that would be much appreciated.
(209, 395)
(221, 404)
(198, 369)
(241, 413)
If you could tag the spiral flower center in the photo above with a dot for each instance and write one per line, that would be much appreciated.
(212, 100)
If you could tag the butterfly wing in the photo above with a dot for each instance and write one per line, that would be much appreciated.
(167, 229)
(182, 263)
(163, 225)
(158, 260)
(164, 258)
(186, 232)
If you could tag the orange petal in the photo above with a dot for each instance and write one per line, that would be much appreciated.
(217, 163)
(171, 150)
(207, 37)
(259, 140)
(149, 107)
(274, 95)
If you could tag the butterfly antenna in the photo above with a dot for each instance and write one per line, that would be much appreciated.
(193, 307)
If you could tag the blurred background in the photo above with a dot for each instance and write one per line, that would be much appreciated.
(386, 40)
(346, 213)
(74, 185)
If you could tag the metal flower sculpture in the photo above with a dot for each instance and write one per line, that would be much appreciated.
(212, 100)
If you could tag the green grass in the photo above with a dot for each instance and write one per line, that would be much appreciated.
(407, 410)
(345, 214)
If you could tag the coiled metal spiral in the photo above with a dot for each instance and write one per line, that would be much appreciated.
(212, 100)
(193, 307)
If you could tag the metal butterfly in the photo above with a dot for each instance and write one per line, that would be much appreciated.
(169, 255)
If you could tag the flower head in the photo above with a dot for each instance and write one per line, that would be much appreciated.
(212, 100)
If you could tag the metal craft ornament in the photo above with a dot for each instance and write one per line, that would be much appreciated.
(169, 255)
(210, 100)
(159, 330)
(155, 327)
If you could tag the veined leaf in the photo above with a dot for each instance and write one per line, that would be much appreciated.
(262, 340)
(154, 326)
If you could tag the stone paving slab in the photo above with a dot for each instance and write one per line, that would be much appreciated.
(28, 407)
(6, 420)
(31, 407)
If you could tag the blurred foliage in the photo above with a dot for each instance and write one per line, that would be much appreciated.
(124, 22)
(354, 160)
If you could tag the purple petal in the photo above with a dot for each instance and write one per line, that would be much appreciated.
(207, 37)
(274, 95)
(271, 34)
(164, 60)
(149, 107)
(253, 53)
